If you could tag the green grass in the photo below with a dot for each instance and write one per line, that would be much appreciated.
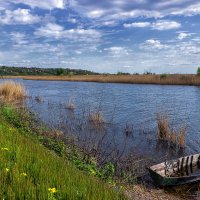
(28, 170)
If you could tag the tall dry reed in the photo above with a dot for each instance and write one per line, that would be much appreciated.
(167, 79)
(176, 138)
(173, 137)
(181, 137)
(71, 104)
(12, 92)
(163, 126)
(96, 118)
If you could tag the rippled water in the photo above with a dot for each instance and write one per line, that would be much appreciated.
(121, 104)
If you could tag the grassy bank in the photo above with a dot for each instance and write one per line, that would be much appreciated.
(163, 79)
(28, 170)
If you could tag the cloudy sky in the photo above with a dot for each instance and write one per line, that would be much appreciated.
(161, 36)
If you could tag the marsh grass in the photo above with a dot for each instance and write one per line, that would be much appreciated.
(12, 92)
(71, 104)
(175, 138)
(163, 126)
(96, 118)
(166, 79)
(181, 137)
(28, 170)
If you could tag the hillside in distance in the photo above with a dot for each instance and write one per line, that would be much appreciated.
(24, 71)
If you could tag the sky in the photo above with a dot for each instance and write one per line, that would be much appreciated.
(108, 36)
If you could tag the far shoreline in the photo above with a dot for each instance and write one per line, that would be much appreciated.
(162, 79)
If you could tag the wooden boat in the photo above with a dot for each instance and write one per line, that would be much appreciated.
(176, 172)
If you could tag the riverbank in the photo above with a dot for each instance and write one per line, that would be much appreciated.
(34, 167)
(163, 79)
(28, 170)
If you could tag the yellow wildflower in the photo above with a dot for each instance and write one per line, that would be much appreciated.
(24, 174)
(4, 149)
(7, 170)
(52, 190)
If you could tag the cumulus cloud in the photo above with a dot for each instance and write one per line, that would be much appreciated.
(138, 25)
(44, 4)
(95, 13)
(116, 51)
(193, 9)
(18, 16)
(165, 25)
(153, 44)
(160, 25)
(119, 9)
(52, 30)
(183, 35)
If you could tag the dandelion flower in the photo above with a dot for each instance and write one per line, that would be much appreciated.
(24, 174)
(52, 190)
(7, 169)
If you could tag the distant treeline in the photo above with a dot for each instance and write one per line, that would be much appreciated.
(23, 71)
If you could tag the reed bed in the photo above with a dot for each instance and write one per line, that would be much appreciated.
(175, 138)
(163, 79)
(12, 92)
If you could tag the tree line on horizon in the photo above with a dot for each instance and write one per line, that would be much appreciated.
(23, 71)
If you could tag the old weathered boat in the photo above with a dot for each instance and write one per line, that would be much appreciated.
(176, 172)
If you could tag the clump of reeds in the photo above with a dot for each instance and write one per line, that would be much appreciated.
(12, 92)
(96, 118)
(163, 126)
(71, 105)
(128, 130)
(39, 99)
(173, 137)
(181, 137)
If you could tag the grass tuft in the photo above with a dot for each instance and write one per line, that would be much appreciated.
(12, 92)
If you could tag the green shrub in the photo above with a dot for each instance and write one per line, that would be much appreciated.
(163, 76)
(198, 71)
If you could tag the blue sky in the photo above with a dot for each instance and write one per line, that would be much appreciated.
(104, 36)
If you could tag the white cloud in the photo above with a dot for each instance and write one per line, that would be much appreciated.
(109, 23)
(95, 13)
(105, 10)
(188, 11)
(72, 20)
(182, 36)
(162, 25)
(138, 25)
(135, 13)
(153, 44)
(45, 4)
(56, 31)
(19, 38)
(19, 16)
(117, 51)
